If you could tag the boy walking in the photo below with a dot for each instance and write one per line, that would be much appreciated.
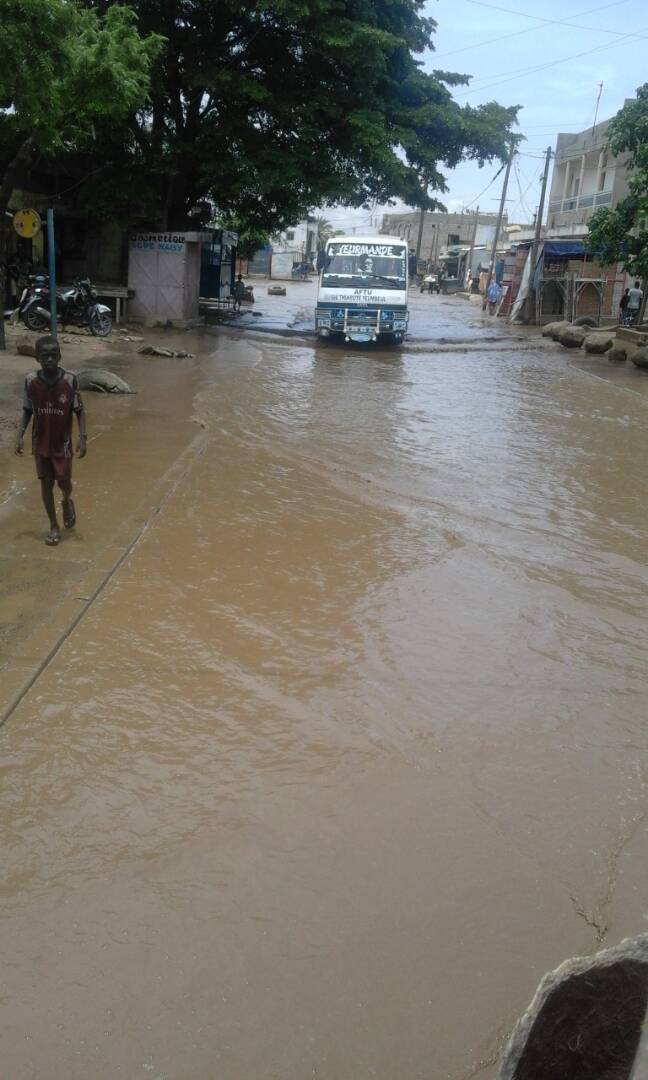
(50, 399)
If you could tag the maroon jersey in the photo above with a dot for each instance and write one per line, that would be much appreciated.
(52, 405)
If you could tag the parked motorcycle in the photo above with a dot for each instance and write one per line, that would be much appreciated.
(29, 286)
(75, 306)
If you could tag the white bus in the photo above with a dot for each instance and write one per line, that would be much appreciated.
(362, 293)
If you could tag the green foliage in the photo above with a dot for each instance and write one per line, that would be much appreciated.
(64, 70)
(621, 233)
(262, 109)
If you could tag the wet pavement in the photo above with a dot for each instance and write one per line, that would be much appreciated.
(349, 749)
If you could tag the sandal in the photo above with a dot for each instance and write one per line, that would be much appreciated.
(53, 538)
(69, 514)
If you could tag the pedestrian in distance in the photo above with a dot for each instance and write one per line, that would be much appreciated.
(493, 296)
(238, 292)
(51, 398)
(623, 309)
(635, 296)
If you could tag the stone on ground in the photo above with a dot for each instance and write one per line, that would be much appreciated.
(276, 290)
(585, 320)
(639, 357)
(105, 382)
(599, 343)
(553, 329)
(572, 337)
(618, 354)
(585, 1020)
(558, 328)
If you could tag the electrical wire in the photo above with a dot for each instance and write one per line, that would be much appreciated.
(530, 29)
(489, 184)
(543, 67)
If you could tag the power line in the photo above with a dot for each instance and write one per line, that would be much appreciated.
(530, 29)
(543, 67)
(500, 170)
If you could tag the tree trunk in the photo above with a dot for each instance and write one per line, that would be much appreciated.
(179, 199)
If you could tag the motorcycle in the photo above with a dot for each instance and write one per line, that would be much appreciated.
(29, 285)
(75, 306)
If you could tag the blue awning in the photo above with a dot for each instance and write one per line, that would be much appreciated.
(564, 247)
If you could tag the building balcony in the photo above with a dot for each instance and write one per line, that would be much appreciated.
(580, 202)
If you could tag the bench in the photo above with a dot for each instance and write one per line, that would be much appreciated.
(118, 293)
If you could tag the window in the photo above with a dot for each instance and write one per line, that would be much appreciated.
(602, 182)
(290, 234)
(576, 185)
(453, 238)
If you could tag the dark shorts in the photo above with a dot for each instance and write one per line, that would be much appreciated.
(53, 468)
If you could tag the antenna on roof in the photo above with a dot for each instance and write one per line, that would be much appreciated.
(598, 102)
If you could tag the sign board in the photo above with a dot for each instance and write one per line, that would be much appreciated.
(166, 242)
(27, 223)
(390, 251)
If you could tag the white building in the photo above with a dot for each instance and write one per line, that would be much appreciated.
(585, 177)
(300, 240)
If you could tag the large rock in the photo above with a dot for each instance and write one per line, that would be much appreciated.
(547, 331)
(639, 357)
(599, 343)
(106, 382)
(618, 354)
(585, 1020)
(157, 350)
(572, 337)
(585, 320)
(557, 328)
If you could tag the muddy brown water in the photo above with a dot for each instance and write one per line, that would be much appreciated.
(351, 748)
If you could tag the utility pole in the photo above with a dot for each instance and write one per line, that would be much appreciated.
(420, 236)
(533, 254)
(491, 270)
(473, 240)
(433, 244)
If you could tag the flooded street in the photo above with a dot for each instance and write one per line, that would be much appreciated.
(350, 748)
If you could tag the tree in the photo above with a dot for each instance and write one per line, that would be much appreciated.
(620, 234)
(324, 230)
(65, 71)
(262, 109)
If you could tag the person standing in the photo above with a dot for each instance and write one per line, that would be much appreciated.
(635, 296)
(238, 292)
(50, 400)
(493, 296)
(623, 308)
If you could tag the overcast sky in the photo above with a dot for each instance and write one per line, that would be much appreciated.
(524, 54)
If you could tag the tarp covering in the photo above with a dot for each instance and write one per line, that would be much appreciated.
(516, 311)
(564, 247)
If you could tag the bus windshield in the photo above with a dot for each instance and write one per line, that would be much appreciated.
(366, 265)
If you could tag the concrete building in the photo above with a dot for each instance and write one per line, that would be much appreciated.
(442, 231)
(585, 177)
(301, 239)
